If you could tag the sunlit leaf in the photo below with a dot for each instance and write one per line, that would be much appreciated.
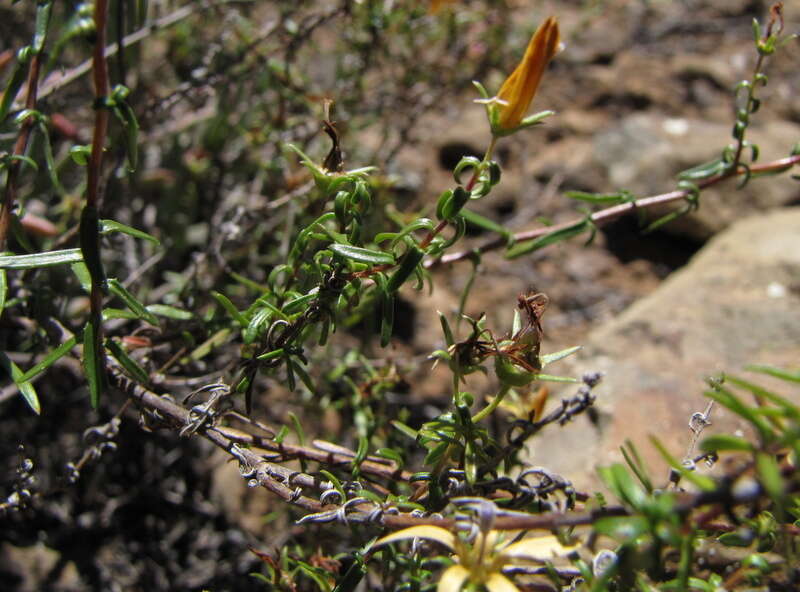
(497, 582)
(25, 388)
(424, 531)
(542, 548)
(45, 259)
(107, 226)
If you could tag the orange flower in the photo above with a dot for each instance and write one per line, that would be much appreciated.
(518, 90)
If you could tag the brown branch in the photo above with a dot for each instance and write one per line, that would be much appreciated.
(607, 215)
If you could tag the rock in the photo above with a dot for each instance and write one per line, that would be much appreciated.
(736, 303)
(645, 153)
(37, 568)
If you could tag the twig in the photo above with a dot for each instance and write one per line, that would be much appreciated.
(607, 215)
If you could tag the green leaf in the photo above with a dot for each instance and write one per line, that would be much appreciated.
(49, 160)
(118, 313)
(25, 388)
(107, 226)
(129, 123)
(703, 482)
(361, 454)
(719, 442)
(548, 239)
(45, 259)
(391, 454)
(129, 364)
(314, 574)
(408, 264)
(726, 398)
(82, 273)
(3, 289)
(258, 325)
(305, 378)
(776, 372)
(209, 344)
(435, 453)
(623, 528)
(80, 154)
(703, 171)
(742, 537)
(43, 10)
(352, 577)
(619, 481)
(448, 333)
(600, 198)
(363, 255)
(49, 359)
(636, 465)
(552, 378)
(485, 223)
(298, 428)
(93, 364)
(131, 302)
(770, 476)
(225, 302)
(408, 431)
(12, 88)
(559, 355)
(170, 312)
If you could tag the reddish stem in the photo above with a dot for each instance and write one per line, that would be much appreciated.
(609, 214)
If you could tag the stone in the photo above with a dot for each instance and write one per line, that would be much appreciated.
(736, 303)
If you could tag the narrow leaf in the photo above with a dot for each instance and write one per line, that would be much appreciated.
(428, 532)
(131, 302)
(485, 223)
(776, 372)
(362, 255)
(559, 355)
(718, 442)
(107, 226)
(170, 312)
(542, 548)
(49, 359)
(225, 302)
(129, 364)
(45, 259)
(25, 388)
(3, 289)
(548, 239)
(408, 431)
(92, 364)
(12, 88)
(453, 579)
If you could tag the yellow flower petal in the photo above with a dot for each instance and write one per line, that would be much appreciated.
(520, 87)
(452, 579)
(541, 548)
(433, 533)
(499, 583)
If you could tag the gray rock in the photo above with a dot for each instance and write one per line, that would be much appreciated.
(736, 303)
